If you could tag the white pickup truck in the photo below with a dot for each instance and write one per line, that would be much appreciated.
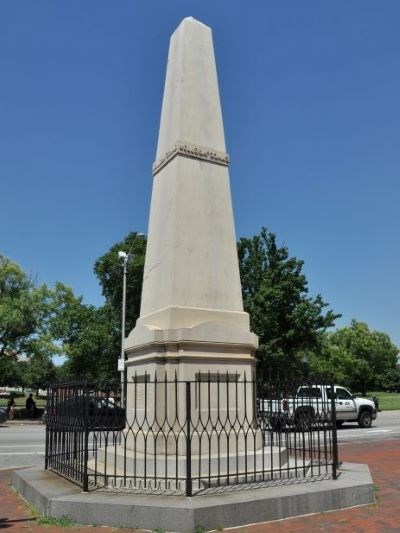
(313, 404)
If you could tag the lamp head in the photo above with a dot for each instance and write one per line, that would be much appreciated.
(122, 255)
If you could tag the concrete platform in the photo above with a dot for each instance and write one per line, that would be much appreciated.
(54, 496)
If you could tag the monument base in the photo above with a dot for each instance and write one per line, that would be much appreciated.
(195, 380)
(56, 497)
(132, 470)
(203, 442)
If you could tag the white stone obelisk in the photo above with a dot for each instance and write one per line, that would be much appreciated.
(192, 321)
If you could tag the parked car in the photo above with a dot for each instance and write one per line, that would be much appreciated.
(3, 414)
(93, 412)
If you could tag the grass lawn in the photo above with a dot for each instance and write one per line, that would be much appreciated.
(388, 401)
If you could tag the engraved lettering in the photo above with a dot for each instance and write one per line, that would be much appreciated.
(191, 150)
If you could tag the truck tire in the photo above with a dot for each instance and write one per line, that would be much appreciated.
(304, 419)
(339, 423)
(365, 419)
(276, 423)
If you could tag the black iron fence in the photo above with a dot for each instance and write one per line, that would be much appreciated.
(191, 437)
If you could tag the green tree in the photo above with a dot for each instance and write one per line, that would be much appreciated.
(109, 271)
(37, 323)
(275, 293)
(62, 372)
(39, 372)
(88, 337)
(359, 358)
(9, 375)
(26, 313)
(389, 381)
(94, 352)
(21, 309)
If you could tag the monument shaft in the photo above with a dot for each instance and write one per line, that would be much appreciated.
(191, 258)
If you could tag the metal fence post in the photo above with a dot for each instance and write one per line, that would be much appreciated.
(188, 443)
(85, 486)
(334, 433)
(46, 455)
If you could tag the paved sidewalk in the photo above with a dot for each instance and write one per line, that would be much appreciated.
(384, 462)
(383, 459)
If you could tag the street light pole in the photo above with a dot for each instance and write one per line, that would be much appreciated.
(121, 362)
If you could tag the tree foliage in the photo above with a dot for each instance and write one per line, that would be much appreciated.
(91, 336)
(92, 343)
(29, 336)
(87, 335)
(27, 312)
(275, 293)
(359, 358)
(23, 310)
(109, 271)
(38, 371)
(9, 374)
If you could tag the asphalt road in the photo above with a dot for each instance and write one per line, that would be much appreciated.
(21, 445)
(24, 445)
(386, 426)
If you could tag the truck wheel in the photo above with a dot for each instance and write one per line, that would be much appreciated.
(365, 419)
(276, 423)
(339, 423)
(303, 421)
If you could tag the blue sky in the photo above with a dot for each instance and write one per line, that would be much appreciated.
(310, 99)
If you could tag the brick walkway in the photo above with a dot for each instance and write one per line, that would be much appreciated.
(383, 459)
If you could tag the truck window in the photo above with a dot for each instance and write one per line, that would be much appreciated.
(309, 392)
(343, 394)
(328, 393)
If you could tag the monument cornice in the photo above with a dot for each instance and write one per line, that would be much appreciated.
(183, 345)
(195, 359)
(192, 151)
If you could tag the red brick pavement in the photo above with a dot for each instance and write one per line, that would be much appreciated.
(383, 459)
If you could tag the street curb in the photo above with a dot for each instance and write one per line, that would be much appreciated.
(22, 422)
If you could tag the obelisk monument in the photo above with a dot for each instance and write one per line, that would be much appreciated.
(191, 315)
(192, 326)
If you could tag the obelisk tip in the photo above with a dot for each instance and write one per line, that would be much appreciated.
(191, 111)
(193, 20)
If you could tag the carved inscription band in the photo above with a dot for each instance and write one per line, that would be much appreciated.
(193, 151)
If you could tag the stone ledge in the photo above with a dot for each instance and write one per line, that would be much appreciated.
(55, 496)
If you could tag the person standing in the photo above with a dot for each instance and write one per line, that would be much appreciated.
(30, 406)
(11, 407)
